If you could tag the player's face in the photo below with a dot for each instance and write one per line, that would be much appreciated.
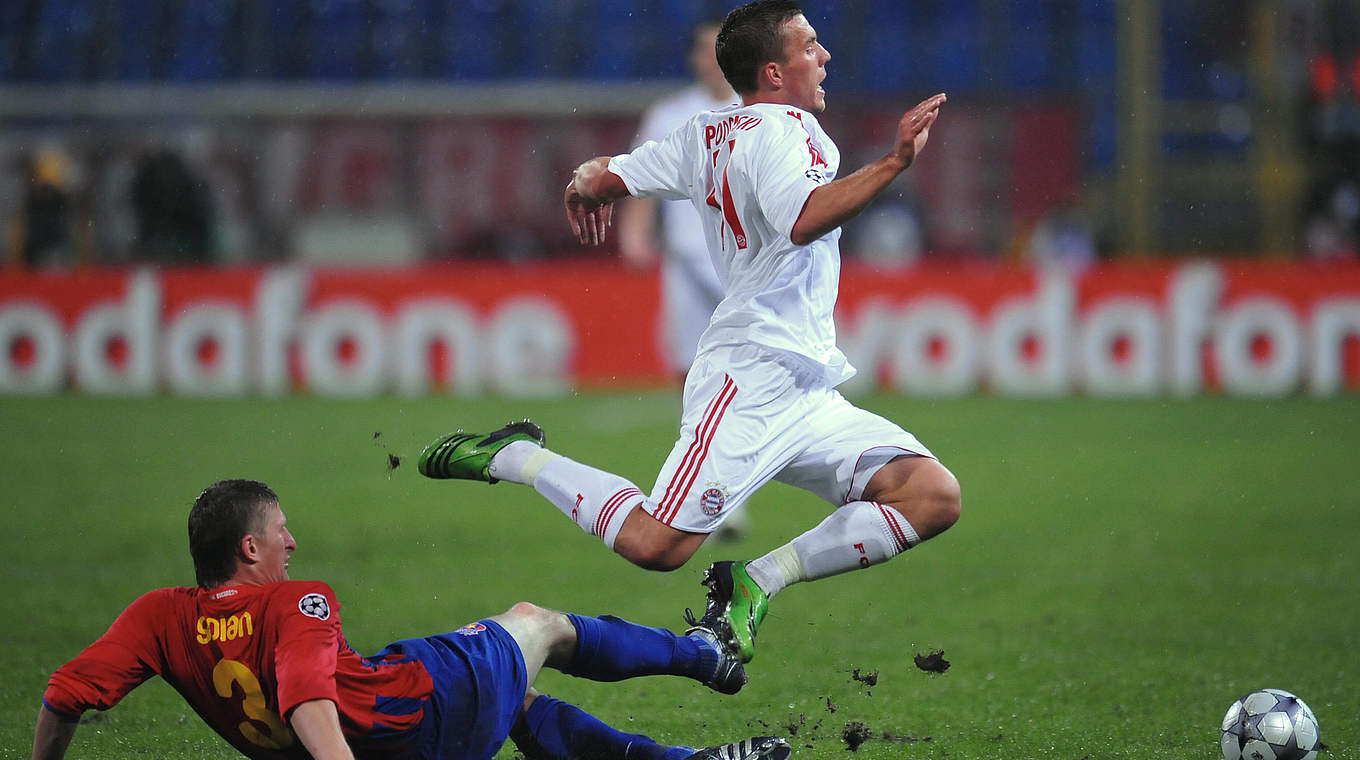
(274, 544)
(804, 65)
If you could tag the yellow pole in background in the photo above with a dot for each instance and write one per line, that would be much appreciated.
(1140, 121)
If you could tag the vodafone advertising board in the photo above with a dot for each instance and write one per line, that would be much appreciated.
(1239, 328)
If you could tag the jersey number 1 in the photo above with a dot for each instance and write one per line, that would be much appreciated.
(275, 735)
(722, 199)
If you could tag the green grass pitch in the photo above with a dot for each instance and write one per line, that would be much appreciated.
(1123, 569)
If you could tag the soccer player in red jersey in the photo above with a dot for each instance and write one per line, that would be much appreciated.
(262, 659)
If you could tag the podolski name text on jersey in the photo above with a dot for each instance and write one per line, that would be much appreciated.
(716, 133)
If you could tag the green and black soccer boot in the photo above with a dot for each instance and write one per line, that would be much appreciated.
(734, 608)
(466, 456)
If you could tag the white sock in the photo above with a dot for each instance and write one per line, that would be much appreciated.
(597, 501)
(859, 534)
(519, 462)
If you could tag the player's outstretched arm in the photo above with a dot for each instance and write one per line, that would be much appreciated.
(588, 197)
(317, 723)
(52, 735)
(834, 204)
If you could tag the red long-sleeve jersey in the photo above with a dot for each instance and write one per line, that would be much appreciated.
(243, 657)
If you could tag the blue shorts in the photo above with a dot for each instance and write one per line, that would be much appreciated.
(479, 685)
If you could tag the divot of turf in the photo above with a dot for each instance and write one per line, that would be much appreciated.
(869, 678)
(855, 734)
(932, 662)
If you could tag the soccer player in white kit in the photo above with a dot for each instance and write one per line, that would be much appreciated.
(760, 402)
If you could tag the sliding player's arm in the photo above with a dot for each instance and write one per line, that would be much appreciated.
(317, 723)
(53, 734)
(836, 203)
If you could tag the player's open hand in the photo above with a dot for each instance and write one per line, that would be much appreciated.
(914, 129)
(589, 219)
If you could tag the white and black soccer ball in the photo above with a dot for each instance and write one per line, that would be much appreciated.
(1269, 724)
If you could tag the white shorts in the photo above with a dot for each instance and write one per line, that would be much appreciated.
(752, 415)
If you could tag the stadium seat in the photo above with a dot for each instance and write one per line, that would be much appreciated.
(1095, 79)
(61, 37)
(467, 43)
(957, 49)
(338, 40)
(397, 33)
(13, 33)
(290, 44)
(206, 42)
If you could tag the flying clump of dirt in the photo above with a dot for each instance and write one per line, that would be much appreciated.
(869, 678)
(393, 461)
(855, 734)
(932, 662)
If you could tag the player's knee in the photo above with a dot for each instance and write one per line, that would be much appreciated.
(525, 610)
(541, 621)
(944, 499)
(539, 624)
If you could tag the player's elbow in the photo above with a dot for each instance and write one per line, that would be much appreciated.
(806, 230)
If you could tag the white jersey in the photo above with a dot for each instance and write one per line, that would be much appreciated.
(748, 171)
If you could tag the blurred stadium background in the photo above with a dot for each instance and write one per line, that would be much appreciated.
(402, 136)
(439, 130)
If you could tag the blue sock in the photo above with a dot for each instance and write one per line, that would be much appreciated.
(554, 730)
(612, 649)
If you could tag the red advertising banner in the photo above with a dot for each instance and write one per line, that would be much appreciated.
(1137, 329)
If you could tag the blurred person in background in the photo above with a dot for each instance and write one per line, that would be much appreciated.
(690, 288)
(760, 401)
(43, 235)
(173, 208)
(1332, 212)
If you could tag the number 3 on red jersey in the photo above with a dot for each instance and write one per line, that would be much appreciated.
(274, 735)
(720, 194)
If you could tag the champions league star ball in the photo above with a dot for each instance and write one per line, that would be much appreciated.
(1269, 725)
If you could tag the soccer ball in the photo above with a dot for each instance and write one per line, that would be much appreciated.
(1269, 725)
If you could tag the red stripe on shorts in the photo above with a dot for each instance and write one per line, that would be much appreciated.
(698, 451)
(611, 506)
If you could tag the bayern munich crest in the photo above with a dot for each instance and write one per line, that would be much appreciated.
(315, 605)
(713, 500)
(471, 629)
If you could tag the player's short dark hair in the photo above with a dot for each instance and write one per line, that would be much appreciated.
(752, 36)
(222, 515)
